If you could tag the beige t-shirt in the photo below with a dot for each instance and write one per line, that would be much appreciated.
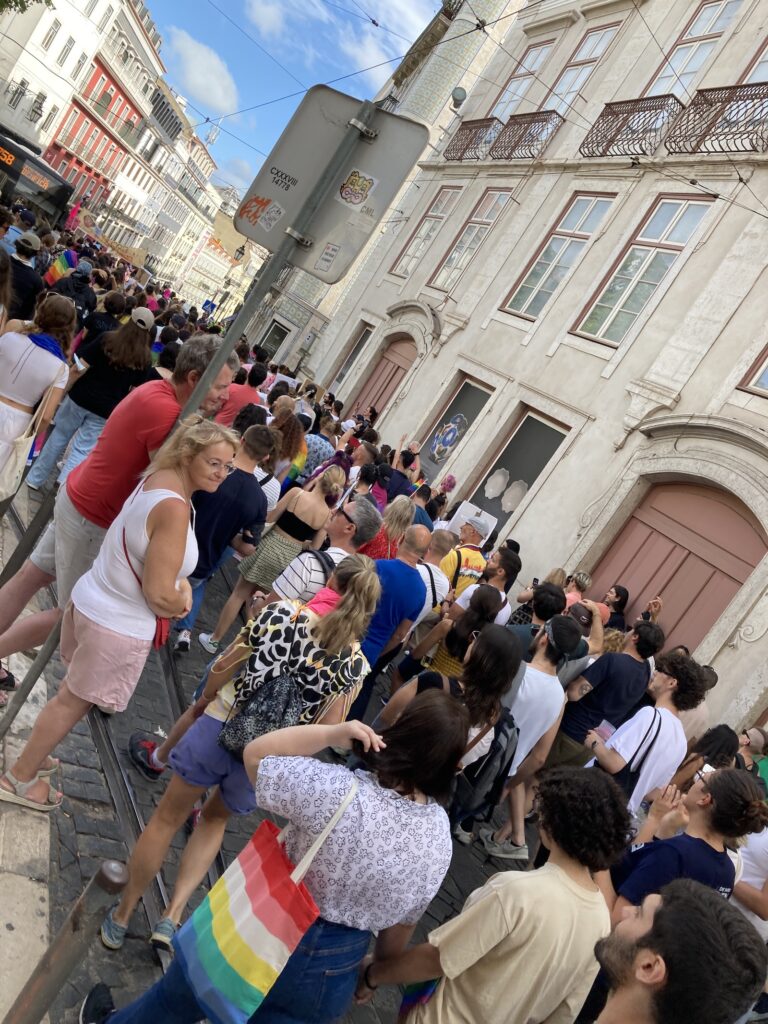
(521, 952)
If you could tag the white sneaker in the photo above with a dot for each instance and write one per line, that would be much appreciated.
(182, 641)
(211, 646)
(504, 851)
(462, 836)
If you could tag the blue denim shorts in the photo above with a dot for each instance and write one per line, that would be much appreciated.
(199, 760)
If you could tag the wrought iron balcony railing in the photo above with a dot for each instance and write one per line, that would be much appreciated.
(473, 139)
(526, 136)
(729, 120)
(631, 127)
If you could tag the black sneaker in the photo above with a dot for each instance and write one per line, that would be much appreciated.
(97, 1005)
(140, 750)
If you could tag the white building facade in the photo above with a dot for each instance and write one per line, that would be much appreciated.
(573, 321)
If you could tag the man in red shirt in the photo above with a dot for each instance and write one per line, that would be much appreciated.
(96, 490)
(241, 395)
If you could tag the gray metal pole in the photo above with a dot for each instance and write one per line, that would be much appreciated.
(301, 227)
(31, 535)
(34, 672)
(69, 947)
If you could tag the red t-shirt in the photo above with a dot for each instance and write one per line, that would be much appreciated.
(240, 395)
(99, 486)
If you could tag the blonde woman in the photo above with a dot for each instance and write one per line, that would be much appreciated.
(322, 652)
(556, 576)
(299, 520)
(398, 516)
(139, 576)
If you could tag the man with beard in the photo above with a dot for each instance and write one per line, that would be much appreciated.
(501, 571)
(522, 948)
(684, 955)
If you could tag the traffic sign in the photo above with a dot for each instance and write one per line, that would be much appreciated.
(362, 192)
(208, 306)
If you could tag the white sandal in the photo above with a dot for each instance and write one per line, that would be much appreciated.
(18, 797)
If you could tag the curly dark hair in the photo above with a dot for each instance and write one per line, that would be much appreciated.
(585, 813)
(293, 434)
(737, 806)
(691, 686)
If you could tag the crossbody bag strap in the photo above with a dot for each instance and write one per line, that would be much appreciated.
(306, 861)
(656, 721)
(481, 735)
(431, 582)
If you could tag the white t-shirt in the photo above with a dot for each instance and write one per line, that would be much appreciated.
(504, 613)
(386, 858)
(27, 371)
(668, 750)
(305, 575)
(432, 574)
(271, 488)
(754, 864)
(537, 705)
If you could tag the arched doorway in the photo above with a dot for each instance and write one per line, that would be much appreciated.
(387, 375)
(694, 546)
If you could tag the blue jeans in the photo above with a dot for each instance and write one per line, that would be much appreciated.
(71, 421)
(315, 987)
(198, 593)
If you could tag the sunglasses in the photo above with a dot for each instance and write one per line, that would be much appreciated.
(347, 517)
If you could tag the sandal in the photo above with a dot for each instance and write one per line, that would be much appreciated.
(17, 795)
(7, 681)
(46, 773)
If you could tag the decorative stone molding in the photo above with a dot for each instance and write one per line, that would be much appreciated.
(417, 318)
(754, 627)
(645, 398)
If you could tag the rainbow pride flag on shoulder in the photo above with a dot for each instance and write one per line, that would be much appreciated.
(234, 946)
(63, 263)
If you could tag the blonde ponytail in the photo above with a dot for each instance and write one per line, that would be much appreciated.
(358, 583)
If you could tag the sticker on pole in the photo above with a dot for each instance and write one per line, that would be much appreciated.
(360, 197)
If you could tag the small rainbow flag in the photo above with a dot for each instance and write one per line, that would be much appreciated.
(63, 263)
(416, 994)
(234, 946)
(296, 467)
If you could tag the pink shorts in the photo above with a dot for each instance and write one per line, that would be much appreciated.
(103, 667)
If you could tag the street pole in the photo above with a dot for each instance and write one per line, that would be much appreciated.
(294, 236)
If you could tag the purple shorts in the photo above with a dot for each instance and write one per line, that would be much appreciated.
(199, 760)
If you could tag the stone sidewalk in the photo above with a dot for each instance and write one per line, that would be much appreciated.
(46, 862)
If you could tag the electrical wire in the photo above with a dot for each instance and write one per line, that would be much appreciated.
(256, 43)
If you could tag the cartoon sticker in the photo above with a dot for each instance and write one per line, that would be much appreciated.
(356, 188)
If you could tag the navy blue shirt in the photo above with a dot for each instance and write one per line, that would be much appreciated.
(403, 594)
(238, 504)
(398, 484)
(420, 517)
(618, 684)
(648, 867)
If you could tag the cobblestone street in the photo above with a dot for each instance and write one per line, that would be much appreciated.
(88, 829)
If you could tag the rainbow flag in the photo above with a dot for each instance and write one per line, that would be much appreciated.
(296, 467)
(63, 263)
(416, 994)
(234, 946)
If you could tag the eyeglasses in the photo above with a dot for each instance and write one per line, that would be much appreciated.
(703, 772)
(221, 467)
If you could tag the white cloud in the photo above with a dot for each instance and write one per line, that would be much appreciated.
(267, 17)
(201, 73)
(237, 172)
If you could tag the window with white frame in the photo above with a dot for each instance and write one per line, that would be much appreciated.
(759, 72)
(756, 380)
(471, 237)
(79, 66)
(351, 359)
(49, 119)
(692, 48)
(90, 7)
(51, 34)
(635, 278)
(444, 202)
(105, 18)
(577, 71)
(557, 254)
(65, 51)
(517, 87)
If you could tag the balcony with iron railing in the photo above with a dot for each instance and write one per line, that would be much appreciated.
(108, 166)
(631, 127)
(125, 70)
(523, 137)
(733, 119)
(129, 132)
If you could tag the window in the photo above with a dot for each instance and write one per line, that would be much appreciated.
(351, 359)
(18, 93)
(578, 69)
(756, 380)
(759, 70)
(63, 166)
(520, 82)
(69, 122)
(693, 47)
(49, 119)
(472, 234)
(559, 252)
(79, 66)
(105, 18)
(65, 52)
(51, 34)
(651, 253)
(444, 202)
(533, 443)
(90, 7)
(273, 337)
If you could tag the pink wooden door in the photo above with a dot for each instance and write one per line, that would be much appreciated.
(384, 380)
(692, 545)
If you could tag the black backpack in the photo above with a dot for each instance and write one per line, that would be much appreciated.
(327, 564)
(480, 785)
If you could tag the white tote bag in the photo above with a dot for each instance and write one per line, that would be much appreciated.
(13, 469)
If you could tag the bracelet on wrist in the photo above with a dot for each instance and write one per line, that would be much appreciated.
(367, 978)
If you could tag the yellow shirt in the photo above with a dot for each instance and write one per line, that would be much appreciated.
(470, 563)
(522, 950)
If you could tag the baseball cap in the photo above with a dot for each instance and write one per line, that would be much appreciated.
(582, 615)
(143, 317)
(28, 218)
(178, 321)
(84, 268)
(31, 240)
(479, 523)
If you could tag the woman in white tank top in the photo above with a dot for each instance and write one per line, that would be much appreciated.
(138, 577)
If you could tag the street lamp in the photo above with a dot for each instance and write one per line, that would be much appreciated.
(239, 253)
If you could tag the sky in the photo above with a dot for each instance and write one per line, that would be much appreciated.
(225, 56)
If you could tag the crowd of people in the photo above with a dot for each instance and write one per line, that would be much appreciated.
(543, 724)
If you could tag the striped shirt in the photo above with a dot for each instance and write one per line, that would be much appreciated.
(305, 575)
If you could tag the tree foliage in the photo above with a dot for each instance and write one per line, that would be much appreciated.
(21, 6)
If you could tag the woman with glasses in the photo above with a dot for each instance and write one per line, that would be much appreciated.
(117, 607)
(317, 645)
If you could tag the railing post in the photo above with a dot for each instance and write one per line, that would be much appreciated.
(31, 535)
(34, 672)
(68, 949)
